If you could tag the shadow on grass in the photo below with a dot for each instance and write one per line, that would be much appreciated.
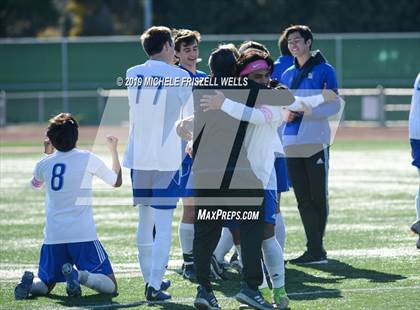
(298, 289)
(346, 271)
(307, 287)
(100, 301)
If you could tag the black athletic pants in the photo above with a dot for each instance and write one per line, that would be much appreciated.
(309, 176)
(207, 235)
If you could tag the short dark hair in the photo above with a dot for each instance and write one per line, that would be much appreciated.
(282, 44)
(252, 55)
(222, 60)
(185, 36)
(63, 132)
(303, 30)
(154, 38)
(246, 45)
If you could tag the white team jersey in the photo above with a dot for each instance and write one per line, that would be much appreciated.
(68, 194)
(153, 142)
(261, 139)
(414, 118)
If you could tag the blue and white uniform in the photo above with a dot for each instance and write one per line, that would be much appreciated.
(280, 65)
(153, 151)
(283, 183)
(187, 161)
(262, 142)
(414, 123)
(70, 231)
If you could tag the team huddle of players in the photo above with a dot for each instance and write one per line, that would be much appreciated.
(172, 154)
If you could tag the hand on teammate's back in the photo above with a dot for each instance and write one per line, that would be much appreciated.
(212, 102)
(290, 116)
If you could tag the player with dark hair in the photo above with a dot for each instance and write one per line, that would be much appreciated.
(187, 51)
(306, 138)
(223, 177)
(262, 142)
(285, 59)
(154, 174)
(70, 237)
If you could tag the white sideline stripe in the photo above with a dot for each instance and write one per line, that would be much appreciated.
(191, 300)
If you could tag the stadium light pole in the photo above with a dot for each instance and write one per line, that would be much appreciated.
(147, 14)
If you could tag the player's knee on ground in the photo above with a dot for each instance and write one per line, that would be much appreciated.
(39, 288)
(105, 284)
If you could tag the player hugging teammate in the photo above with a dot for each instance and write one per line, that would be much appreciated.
(234, 136)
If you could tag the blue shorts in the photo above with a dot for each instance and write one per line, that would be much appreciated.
(415, 152)
(158, 189)
(283, 182)
(89, 256)
(270, 206)
(185, 178)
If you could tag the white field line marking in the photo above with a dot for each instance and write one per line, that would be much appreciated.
(224, 298)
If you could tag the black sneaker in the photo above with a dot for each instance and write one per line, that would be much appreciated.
(188, 273)
(309, 259)
(205, 300)
(252, 298)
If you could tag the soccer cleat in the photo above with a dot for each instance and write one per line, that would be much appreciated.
(309, 259)
(418, 243)
(188, 273)
(166, 283)
(266, 294)
(252, 298)
(72, 279)
(280, 298)
(156, 295)
(205, 300)
(23, 289)
(415, 228)
(216, 268)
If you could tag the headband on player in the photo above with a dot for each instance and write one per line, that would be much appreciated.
(259, 64)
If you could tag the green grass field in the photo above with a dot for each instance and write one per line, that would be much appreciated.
(373, 260)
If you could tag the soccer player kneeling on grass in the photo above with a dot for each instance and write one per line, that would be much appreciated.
(70, 233)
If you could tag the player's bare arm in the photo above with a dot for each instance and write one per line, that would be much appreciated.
(112, 143)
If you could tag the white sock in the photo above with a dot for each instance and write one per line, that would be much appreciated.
(418, 200)
(238, 250)
(264, 283)
(97, 282)
(224, 245)
(145, 241)
(38, 287)
(186, 237)
(161, 246)
(274, 261)
(280, 230)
